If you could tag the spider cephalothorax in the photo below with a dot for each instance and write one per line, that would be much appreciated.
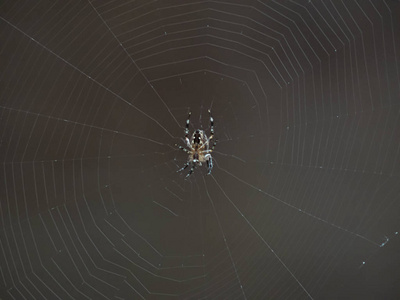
(198, 147)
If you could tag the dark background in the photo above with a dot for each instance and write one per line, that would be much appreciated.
(303, 200)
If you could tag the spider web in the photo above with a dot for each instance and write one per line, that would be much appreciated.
(303, 199)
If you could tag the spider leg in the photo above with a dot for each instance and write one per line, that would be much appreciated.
(209, 163)
(187, 129)
(191, 170)
(184, 167)
(187, 124)
(212, 125)
(183, 149)
(213, 146)
(208, 145)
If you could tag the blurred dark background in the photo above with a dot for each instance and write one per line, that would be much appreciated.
(303, 200)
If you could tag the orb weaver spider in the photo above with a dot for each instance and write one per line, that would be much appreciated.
(198, 147)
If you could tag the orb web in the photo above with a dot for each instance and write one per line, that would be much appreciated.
(303, 199)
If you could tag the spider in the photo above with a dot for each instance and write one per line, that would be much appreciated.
(198, 147)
